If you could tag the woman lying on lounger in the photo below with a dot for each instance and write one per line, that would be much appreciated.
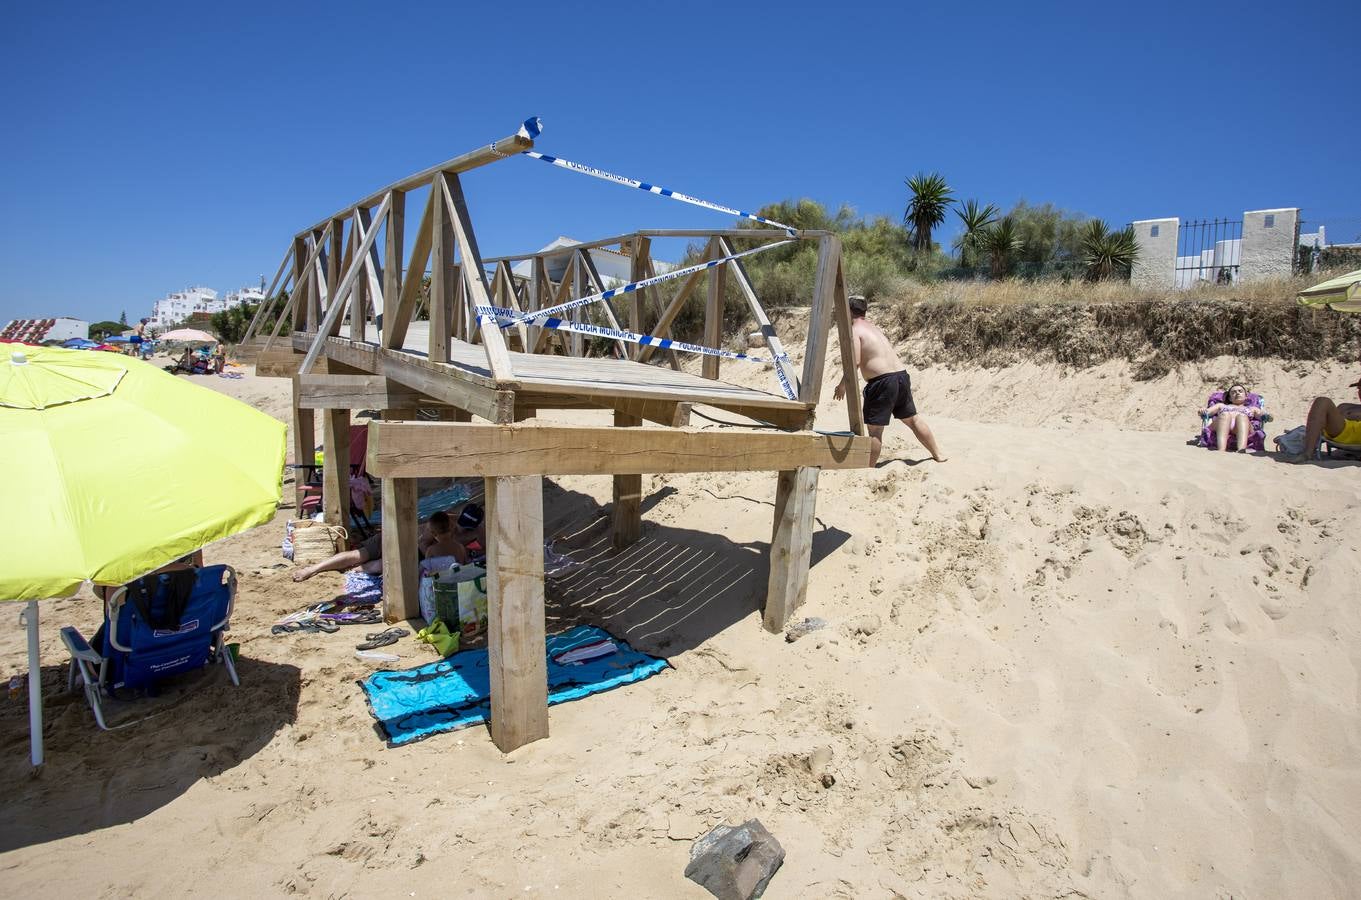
(1232, 416)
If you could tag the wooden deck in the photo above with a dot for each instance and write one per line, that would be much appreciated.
(541, 380)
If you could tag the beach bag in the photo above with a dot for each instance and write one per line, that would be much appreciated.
(314, 541)
(460, 595)
(1292, 442)
(472, 606)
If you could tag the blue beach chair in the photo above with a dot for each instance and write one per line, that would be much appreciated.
(155, 627)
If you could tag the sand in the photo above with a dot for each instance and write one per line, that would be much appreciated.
(1079, 659)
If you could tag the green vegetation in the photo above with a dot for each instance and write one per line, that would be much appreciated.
(230, 325)
(931, 199)
(101, 330)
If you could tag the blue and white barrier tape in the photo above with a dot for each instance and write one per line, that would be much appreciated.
(521, 318)
(655, 189)
(502, 315)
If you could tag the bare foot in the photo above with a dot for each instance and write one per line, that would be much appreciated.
(941, 458)
(304, 574)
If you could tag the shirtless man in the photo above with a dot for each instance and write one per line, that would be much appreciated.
(888, 388)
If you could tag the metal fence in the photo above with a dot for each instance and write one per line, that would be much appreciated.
(1209, 250)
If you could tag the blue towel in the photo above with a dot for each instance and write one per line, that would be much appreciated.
(456, 692)
(431, 503)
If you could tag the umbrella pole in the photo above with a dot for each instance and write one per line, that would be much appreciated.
(29, 617)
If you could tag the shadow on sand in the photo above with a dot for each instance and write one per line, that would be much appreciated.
(94, 779)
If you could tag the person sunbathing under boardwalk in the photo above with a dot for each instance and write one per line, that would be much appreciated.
(888, 387)
(437, 539)
(1338, 422)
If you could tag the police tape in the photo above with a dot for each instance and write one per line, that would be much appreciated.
(529, 317)
(654, 189)
(503, 316)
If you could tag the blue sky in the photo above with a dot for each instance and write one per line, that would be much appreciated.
(153, 146)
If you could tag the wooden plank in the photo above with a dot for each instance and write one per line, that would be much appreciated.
(639, 267)
(672, 415)
(409, 450)
(791, 546)
(561, 295)
(626, 514)
(598, 286)
(392, 261)
(395, 324)
(336, 263)
(841, 312)
(359, 294)
(373, 261)
(304, 447)
(335, 474)
(507, 298)
(338, 299)
(772, 340)
(713, 312)
(357, 392)
(401, 577)
(284, 313)
(755, 234)
(820, 319)
(441, 280)
(515, 611)
(474, 275)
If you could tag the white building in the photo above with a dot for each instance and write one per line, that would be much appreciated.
(38, 331)
(177, 307)
(1212, 265)
(614, 267)
(244, 295)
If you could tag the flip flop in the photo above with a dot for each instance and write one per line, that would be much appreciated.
(382, 638)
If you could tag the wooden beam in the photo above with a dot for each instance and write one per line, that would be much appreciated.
(475, 276)
(593, 276)
(755, 234)
(335, 474)
(772, 340)
(304, 447)
(358, 392)
(626, 513)
(639, 266)
(841, 312)
(410, 450)
(791, 545)
(401, 577)
(441, 280)
(392, 260)
(268, 300)
(277, 363)
(338, 299)
(663, 326)
(515, 611)
(396, 321)
(713, 312)
(561, 295)
(487, 153)
(820, 319)
(336, 263)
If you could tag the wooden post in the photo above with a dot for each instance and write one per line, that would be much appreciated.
(842, 313)
(577, 342)
(392, 257)
(820, 318)
(298, 300)
(304, 446)
(441, 279)
(791, 545)
(395, 321)
(359, 294)
(335, 474)
(401, 579)
(713, 311)
(627, 516)
(515, 627)
(335, 265)
(638, 270)
(475, 277)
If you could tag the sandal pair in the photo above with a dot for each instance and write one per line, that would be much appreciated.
(311, 627)
(377, 639)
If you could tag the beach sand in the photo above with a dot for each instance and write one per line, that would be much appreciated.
(1079, 659)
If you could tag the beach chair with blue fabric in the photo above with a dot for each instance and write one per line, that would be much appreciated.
(154, 628)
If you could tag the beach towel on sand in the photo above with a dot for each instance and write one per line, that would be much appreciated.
(455, 692)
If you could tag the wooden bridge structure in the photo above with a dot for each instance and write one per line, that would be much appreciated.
(353, 288)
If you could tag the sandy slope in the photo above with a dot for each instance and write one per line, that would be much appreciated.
(1077, 660)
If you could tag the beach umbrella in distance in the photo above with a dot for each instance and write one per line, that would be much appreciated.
(116, 339)
(115, 468)
(79, 344)
(188, 335)
(1342, 293)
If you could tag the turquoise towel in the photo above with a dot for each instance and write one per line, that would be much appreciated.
(453, 693)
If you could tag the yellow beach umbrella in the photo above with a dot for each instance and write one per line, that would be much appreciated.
(113, 468)
(1342, 293)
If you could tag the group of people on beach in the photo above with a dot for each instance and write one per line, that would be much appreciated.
(460, 536)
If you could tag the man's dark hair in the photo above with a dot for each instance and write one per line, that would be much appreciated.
(858, 304)
(440, 522)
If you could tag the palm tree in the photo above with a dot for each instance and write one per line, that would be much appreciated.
(1106, 253)
(931, 197)
(1001, 242)
(974, 219)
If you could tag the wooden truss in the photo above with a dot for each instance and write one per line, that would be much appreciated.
(357, 342)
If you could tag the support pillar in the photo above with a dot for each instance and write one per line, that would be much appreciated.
(401, 580)
(335, 475)
(304, 446)
(791, 545)
(628, 495)
(515, 614)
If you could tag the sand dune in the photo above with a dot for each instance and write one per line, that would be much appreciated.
(1079, 659)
